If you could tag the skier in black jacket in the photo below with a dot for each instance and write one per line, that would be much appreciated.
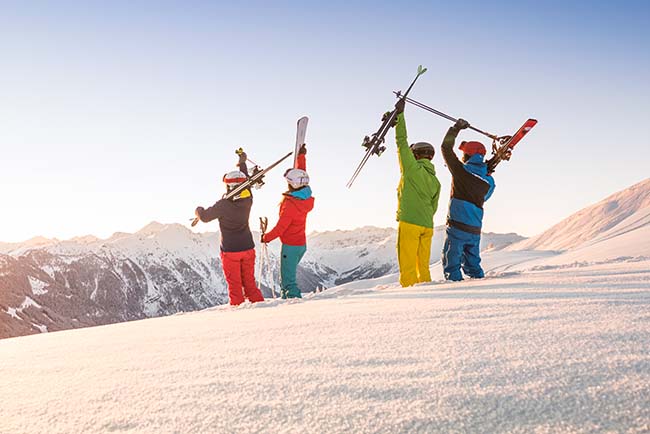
(237, 246)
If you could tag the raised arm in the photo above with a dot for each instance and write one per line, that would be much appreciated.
(406, 159)
(302, 157)
(242, 161)
(451, 159)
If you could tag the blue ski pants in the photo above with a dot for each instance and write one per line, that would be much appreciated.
(461, 250)
(291, 256)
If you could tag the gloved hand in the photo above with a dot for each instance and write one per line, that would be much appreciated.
(303, 149)
(262, 239)
(491, 165)
(242, 155)
(460, 124)
(400, 104)
(198, 211)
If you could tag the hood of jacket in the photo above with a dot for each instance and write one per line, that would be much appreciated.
(427, 165)
(476, 165)
(301, 198)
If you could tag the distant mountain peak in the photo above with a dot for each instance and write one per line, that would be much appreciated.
(591, 222)
(152, 228)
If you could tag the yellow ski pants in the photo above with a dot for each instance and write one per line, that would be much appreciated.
(413, 253)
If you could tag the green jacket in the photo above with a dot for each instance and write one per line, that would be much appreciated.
(419, 189)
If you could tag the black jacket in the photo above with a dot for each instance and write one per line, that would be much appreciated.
(233, 215)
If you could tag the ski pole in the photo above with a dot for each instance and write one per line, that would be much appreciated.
(264, 257)
(441, 114)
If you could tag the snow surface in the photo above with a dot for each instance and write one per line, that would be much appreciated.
(38, 286)
(14, 311)
(528, 349)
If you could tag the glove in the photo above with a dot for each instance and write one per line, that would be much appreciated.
(460, 124)
(399, 105)
(491, 165)
(262, 239)
(198, 211)
(242, 155)
(303, 149)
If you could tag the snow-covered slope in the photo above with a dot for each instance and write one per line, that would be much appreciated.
(546, 351)
(623, 213)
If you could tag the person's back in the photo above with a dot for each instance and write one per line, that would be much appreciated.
(233, 218)
(417, 195)
(237, 246)
(471, 187)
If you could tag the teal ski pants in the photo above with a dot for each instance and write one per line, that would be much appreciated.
(291, 256)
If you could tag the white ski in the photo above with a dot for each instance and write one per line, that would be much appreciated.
(301, 132)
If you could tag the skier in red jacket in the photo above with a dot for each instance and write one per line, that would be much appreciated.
(296, 203)
(237, 246)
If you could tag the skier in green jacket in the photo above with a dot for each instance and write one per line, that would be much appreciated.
(417, 195)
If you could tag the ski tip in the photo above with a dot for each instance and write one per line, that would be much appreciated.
(303, 119)
(421, 70)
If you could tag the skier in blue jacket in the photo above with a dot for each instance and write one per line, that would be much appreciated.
(471, 186)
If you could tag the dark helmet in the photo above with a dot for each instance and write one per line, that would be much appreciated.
(423, 149)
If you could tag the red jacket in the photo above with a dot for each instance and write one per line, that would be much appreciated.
(293, 215)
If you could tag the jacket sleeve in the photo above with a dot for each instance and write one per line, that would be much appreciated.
(492, 187)
(407, 161)
(281, 226)
(436, 197)
(451, 159)
(243, 168)
(302, 162)
(214, 212)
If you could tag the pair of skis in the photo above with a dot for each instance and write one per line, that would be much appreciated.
(257, 178)
(501, 146)
(374, 144)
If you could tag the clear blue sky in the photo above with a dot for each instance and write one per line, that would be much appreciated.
(114, 114)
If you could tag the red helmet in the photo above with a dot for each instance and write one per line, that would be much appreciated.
(472, 148)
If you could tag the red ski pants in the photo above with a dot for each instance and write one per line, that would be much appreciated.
(239, 269)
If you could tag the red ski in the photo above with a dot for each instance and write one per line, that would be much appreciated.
(504, 150)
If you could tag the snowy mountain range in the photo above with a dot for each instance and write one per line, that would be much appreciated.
(48, 285)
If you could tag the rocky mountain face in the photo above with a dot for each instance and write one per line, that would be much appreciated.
(49, 285)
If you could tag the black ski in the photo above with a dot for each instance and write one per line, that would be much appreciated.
(374, 145)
